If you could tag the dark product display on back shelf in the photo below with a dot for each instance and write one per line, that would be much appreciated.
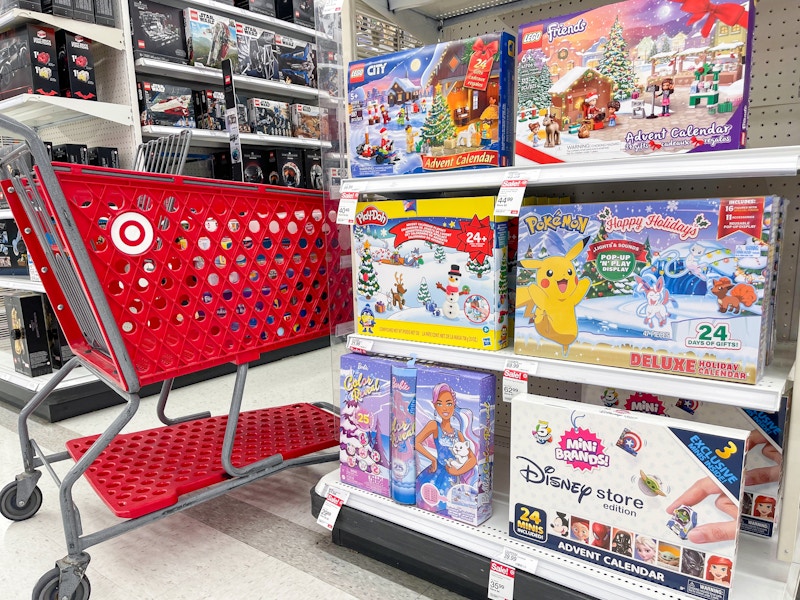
(210, 39)
(209, 109)
(28, 331)
(13, 253)
(75, 66)
(312, 166)
(104, 157)
(60, 351)
(83, 10)
(256, 49)
(290, 166)
(71, 153)
(262, 7)
(169, 105)
(58, 8)
(297, 60)
(259, 165)
(6, 5)
(28, 62)
(157, 31)
(104, 13)
(300, 12)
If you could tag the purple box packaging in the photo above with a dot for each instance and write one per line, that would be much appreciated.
(634, 78)
(366, 422)
(455, 443)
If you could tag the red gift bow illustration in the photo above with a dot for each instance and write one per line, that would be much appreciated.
(485, 51)
(696, 141)
(728, 13)
(654, 146)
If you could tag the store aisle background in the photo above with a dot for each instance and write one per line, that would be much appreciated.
(259, 541)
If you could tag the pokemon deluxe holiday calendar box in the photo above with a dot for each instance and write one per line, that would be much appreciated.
(763, 469)
(432, 271)
(437, 108)
(678, 286)
(634, 78)
(595, 484)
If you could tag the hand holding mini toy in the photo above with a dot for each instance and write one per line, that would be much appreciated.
(708, 532)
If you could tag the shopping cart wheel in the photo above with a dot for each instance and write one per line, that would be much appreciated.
(47, 587)
(8, 503)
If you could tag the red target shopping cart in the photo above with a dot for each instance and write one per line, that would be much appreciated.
(153, 277)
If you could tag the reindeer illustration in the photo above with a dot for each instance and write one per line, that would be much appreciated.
(397, 294)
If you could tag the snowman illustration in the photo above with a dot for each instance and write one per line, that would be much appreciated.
(450, 308)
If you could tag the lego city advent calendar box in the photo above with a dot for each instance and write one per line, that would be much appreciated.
(436, 108)
(640, 77)
(678, 286)
(654, 499)
(432, 271)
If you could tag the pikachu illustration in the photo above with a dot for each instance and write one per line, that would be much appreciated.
(550, 302)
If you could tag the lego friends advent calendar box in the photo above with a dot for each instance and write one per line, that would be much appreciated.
(678, 286)
(432, 271)
(593, 484)
(437, 108)
(763, 469)
(634, 78)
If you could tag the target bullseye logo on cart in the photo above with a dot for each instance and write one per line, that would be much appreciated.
(132, 233)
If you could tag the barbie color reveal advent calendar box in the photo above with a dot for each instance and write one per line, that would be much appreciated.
(650, 498)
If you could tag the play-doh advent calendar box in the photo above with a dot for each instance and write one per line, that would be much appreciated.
(678, 286)
(437, 108)
(432, 271)
(593, 484)
(763, 470)
(640, 77)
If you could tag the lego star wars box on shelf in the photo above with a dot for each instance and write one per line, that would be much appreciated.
(763, 469)
(432, 271)
(593, 484)
(678, 286)
(210, 39)
(157, 31)
(163, 104)
(209, 109)
(269, 116)
(29, 62)
(454, 433)
(297, 61)
(366, 422)
(640, 77)
(305, 121)
(437, 108)
(256, 52)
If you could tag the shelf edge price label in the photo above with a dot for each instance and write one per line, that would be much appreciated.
(346, 215)
(332, 6)
(509, 198)
(334, 500)
(515, 379)
(501, 581)
(359, 345)
(520, 561)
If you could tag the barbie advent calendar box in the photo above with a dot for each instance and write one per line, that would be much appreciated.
(653, 499)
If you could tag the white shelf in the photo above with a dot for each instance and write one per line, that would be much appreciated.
(39, 111)
(108, 36)
(194, 75)
(758, 162)
(20, 282)
(220, 138)
(78, 377)
(765, 395)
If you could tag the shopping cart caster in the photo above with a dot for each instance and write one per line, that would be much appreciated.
(47, 588)
(11, 510)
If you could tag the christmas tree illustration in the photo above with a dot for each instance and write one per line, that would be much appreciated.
(439, 125)
(367, 278)
(438, 255)
(479, 268)
(615, 62)
(424, 293)
(534, 81)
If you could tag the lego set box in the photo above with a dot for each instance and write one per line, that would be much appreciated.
(436, 108)
(157, 31)
(259, 166)
(305, 121)
(256, 50)
(210, 39)
(75, 66)
(366, 422)
(300, 12)
(763, 468)
(209, 109)
(312, 166)
(13, 252)
(103, 156)
(7, 5)
(162, 104)
(296, 61)
(269, 116)
(593, 484)
(639, 77)
(290, 166)
(454, 437)
(29, 61)
(680, 286)
(28, 332)
(432, 271)
(71, 153)
(262, 7)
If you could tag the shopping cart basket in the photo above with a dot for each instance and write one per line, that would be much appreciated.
(154, 276)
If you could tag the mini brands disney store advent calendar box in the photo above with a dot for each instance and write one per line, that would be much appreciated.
(763, 470)
(640, 77)
(454, 434)
(366, 422)
(437, 108)
(657, 500)
(432, 271)
(678, 286)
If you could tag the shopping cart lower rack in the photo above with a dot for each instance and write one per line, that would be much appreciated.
(152, 277)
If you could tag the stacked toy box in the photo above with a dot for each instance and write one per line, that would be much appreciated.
(593, 484)
(640, 77)
(436, 108)
(678, 286)
(432, 270)
(763, 479)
